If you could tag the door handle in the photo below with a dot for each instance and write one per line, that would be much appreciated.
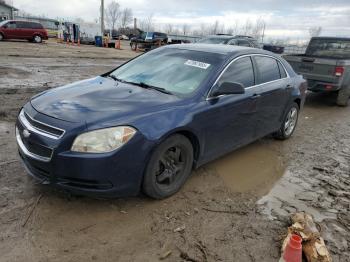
(255, 96)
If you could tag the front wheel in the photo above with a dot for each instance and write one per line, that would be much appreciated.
(289, 123)
(37, 39)
(169, 167)
(133, 46)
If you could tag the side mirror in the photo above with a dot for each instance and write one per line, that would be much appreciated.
(228, 88)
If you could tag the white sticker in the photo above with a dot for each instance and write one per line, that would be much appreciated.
(197, 64)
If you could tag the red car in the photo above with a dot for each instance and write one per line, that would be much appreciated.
(32, 31)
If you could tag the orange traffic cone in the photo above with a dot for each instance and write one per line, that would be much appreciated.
(293, 251)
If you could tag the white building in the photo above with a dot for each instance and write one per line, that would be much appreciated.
(7, 12)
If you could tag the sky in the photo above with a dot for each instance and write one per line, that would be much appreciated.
(284, 19)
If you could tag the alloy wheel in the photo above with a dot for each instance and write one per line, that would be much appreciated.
(291, 121)
(37, 39)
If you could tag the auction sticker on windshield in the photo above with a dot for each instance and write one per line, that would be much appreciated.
(197, 64)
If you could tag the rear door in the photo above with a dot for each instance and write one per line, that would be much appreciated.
(276, 88)
(230, 120)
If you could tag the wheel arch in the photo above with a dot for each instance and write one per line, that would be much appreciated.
(191, 136)
(298, 101)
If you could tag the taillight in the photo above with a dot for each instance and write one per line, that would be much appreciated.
(339, 71)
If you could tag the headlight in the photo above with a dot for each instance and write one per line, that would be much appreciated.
(103, 140)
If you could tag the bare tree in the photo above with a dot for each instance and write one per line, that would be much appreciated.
(185, 29)
(258, 30)
(147, 24)
(315, 31)
(112, 14)
(247, 28)
(126, 17)
(169, 28)
(215, 28)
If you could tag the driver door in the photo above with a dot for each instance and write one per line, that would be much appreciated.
(231, 119)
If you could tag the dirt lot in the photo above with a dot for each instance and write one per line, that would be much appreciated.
(233, 209)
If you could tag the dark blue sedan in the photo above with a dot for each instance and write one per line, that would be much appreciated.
(145, 125)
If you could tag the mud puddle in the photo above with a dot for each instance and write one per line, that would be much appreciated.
(254, 168)
(292, 194)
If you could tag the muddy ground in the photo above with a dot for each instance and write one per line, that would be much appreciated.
(233, 209)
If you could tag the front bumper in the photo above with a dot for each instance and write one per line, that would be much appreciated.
(114, 174)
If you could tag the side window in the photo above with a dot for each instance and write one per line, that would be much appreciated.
(267, 68)
(22, 25)
(243, 43)
(240, 71)
(232, 42)
(283, 73)
(11, 25)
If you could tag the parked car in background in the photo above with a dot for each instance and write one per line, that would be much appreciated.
(274, 48)
(239, 40)
(326, 66)
(146, 124)
(148, 40)
(31, 31)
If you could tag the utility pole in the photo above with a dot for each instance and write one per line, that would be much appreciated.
(102, 17)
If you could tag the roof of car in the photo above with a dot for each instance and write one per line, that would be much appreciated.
(219, 49)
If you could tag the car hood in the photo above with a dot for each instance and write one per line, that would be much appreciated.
(100, 98)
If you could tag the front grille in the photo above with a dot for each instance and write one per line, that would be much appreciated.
(30, 146)
(48, 129)
(39, 127)
(35, 148)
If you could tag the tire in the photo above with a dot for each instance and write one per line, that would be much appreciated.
(343, 96)
(133, 46)
(1, 37)
(287, 130)
(37, 39)
(169, 167)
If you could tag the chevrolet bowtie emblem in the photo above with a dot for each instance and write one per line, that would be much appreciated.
(26, 133)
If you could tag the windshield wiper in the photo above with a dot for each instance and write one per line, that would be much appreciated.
(147, 86)
(116, 78)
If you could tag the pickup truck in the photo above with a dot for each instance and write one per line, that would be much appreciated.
(326, 66)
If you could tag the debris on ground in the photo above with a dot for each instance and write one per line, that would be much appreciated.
(314, 247)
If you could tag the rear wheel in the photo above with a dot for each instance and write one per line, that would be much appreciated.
(289, 123)
(343, 96)
(37, 39)
(169, 167)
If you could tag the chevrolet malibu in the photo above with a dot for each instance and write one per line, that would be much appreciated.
(146, 124)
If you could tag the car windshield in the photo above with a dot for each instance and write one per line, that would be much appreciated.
(329, 48)
(213, 40)
(143, 35)
(177, 71)
(149, 35)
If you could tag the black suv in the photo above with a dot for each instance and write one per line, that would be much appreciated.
(148, 40)
(240, 40)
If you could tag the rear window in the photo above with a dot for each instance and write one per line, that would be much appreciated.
(332, 48)
(267, 68)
